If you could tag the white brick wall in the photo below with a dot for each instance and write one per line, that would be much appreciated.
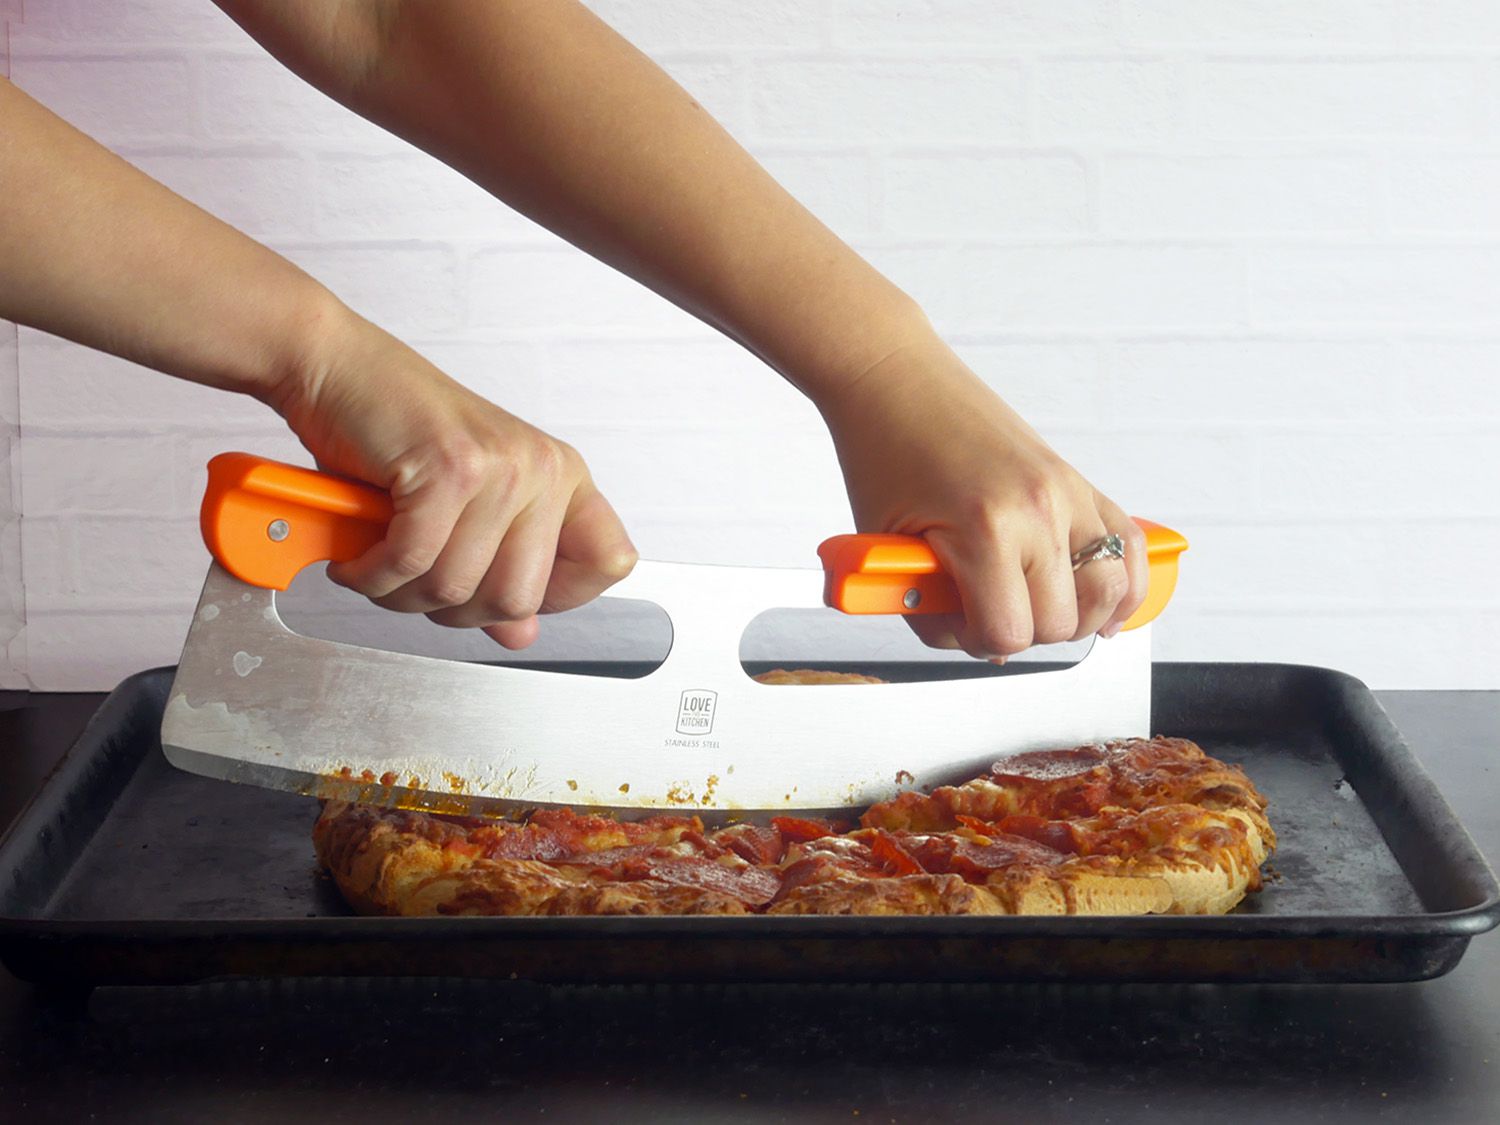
(1239, 261)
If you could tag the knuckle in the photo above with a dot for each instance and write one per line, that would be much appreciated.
(1111, 583)
(505, 474)
(464, 465)
(987, 514)
(548, 460)
(616, 564)
(1039, 500)
(1044, 498)
(410, 562)
(1001, 638)
(450, 591)
(513, 605)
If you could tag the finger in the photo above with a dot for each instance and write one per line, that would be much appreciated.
(515, 634)
(992, 589)
(936, 630)
(1136, 564)
(413, 541)
(1054, 600)
(462, 563)
(1099, 585)
(513, 586)
(594, 552)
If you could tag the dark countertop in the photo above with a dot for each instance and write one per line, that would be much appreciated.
(416, 1049)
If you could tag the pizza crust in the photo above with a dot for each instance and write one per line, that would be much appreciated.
(1032, 893)
(1084, 893)
(1144, 826)
(380, 858)
(782, 676)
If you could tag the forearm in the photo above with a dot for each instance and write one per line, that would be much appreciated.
(94, 250)
(550, 110)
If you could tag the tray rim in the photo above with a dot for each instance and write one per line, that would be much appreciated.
(1464, 923)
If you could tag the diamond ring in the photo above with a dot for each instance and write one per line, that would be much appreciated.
(1110, 547)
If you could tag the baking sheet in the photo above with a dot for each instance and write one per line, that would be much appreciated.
(125, 869)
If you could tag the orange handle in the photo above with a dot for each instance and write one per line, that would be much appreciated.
(900, 574)
(264, 520)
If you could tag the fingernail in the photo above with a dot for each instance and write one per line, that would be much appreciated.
(1110, 630)
(998, 660)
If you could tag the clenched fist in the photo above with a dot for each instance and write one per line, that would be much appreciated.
(495, 521)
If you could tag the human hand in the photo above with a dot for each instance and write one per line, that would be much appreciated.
(495, 521)
(928, 449)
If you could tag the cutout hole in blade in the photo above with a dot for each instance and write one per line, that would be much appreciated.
(622, 638)
(826, 640)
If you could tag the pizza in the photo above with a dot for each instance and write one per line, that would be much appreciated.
(1138, 826)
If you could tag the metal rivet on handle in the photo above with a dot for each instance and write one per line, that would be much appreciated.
(278, 530)
(912, 598)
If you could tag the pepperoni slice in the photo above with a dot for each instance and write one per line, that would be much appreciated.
(1049, 765)
(952, 855)
(754, 843)
(606, 858)
(531, 842)
(801, 828)
(754, 886)
(1059, 835)
(883, 847)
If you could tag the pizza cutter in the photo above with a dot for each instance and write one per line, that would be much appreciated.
(254, 702)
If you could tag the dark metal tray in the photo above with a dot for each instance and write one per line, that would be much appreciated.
(125, 870)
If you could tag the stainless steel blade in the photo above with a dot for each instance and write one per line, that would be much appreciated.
(255, 702)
